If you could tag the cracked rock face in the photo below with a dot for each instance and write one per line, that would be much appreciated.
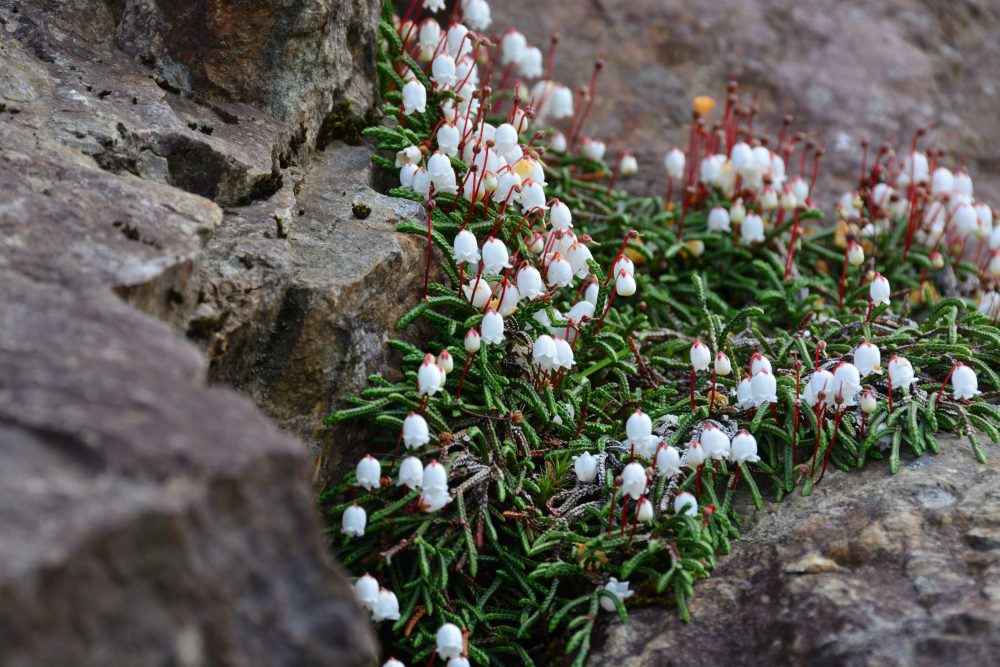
(871, 569)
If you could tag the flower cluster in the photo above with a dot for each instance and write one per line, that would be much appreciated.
(629, 364)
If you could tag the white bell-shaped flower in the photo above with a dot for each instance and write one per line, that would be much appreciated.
(509, 297)
(820, 389)
(432, 500)
(764, 387)
(879, 290)
(718, 220)
(392, 662)
(472, 341)
(723, 366)
(964, 220)
(915, 169)
(638, 428)
(435, 477)
(559, 272)
(458, 42)
(694, 455)
(429, 376)
(710, 170)
(443, 70)
(742, 158)
(409, 155)
(564, 354)
(847, 383)
(737, 212)
(628, 166)
(512, 47)
(353, 521)
(620, 589)
(744, 448)
(964, 383)
(478, 293)
(686, 503)
(752, 229)
(744, 394)
(714, 442)
(543, 352)
(942, 181)
(674, 162)
(759, 363)
(368, 473)
(701, 356)
(492, 327)
(634, 480)
(624, 284)
(591, 293)
(585, 467)
(768, 199)
(476, 14)
(415, 431)
(578, 255)
(411, 473)
(529, 282)
(869, 401)
(466, 247)
(561, 216)
(450, 642)
(532, 196)
(406, 175)
(414, 98)
(668, 461)
(505, 138)
(439, 166)
(530, 64)
(386, 607)
(558, 142)
(594, 149)
(434, 5)
(496, 258)
(422, 182)
(644, 512)
(581, 310)
(868, 359)
(366, 590)
(799, 188)
(901, 372)
(855, 254)
(459, 662)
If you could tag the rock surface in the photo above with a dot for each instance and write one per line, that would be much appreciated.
(301, 294)
(843, 67)
(147, 517)
(871, 569)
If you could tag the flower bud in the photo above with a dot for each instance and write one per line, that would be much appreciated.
(700, 355)
(855, 254)
(868, 401)
(472, 341)
(879, 290)
(644, 512)
(723, 366)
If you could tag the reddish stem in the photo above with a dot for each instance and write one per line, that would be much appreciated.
(465, 370)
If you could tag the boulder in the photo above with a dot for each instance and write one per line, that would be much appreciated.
(870, 569)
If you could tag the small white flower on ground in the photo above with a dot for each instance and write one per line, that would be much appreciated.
(386, 607)
(745, 448)
(472, 341)
(624, 284)
(478, 292)
(354, 520)
(964, 383)
(559, 272)
(634, 480)
(561, 216)
(752, 229)
(529, 283)
(492, 327)
(742, 158)
(532, 196)
(820, 388)
(744, 394)
(668, 461)
(700, 355)
(714, 442)
(723, 366)
(901, 372)
(476, 14)
(645, 511)
(695, 455)
(450, 642)
(495, 256)
(416, 433)
(466, 247)
(674, 162)
(764, 388)
(543, 352)
(512, 47)
(429, 376)
(686, 503)
(620, 589)
(366, 590)
(638, 428)
(585, 467)
(414, 98)
(879, 290)
(594, 149)
(409, 155)
(868, 401)
(868, 359)
(530, 63)
(718, 220)
(411, 473)
(847, 383)
(435, 477)
(628, 166)
(368, 473)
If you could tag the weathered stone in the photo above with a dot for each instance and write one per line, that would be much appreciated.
(122, 117)
(306, 295)
(300, 60)
(870, 569)
(842, 67)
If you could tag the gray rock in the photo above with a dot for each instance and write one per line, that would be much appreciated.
(871, 569)
(303, 295)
